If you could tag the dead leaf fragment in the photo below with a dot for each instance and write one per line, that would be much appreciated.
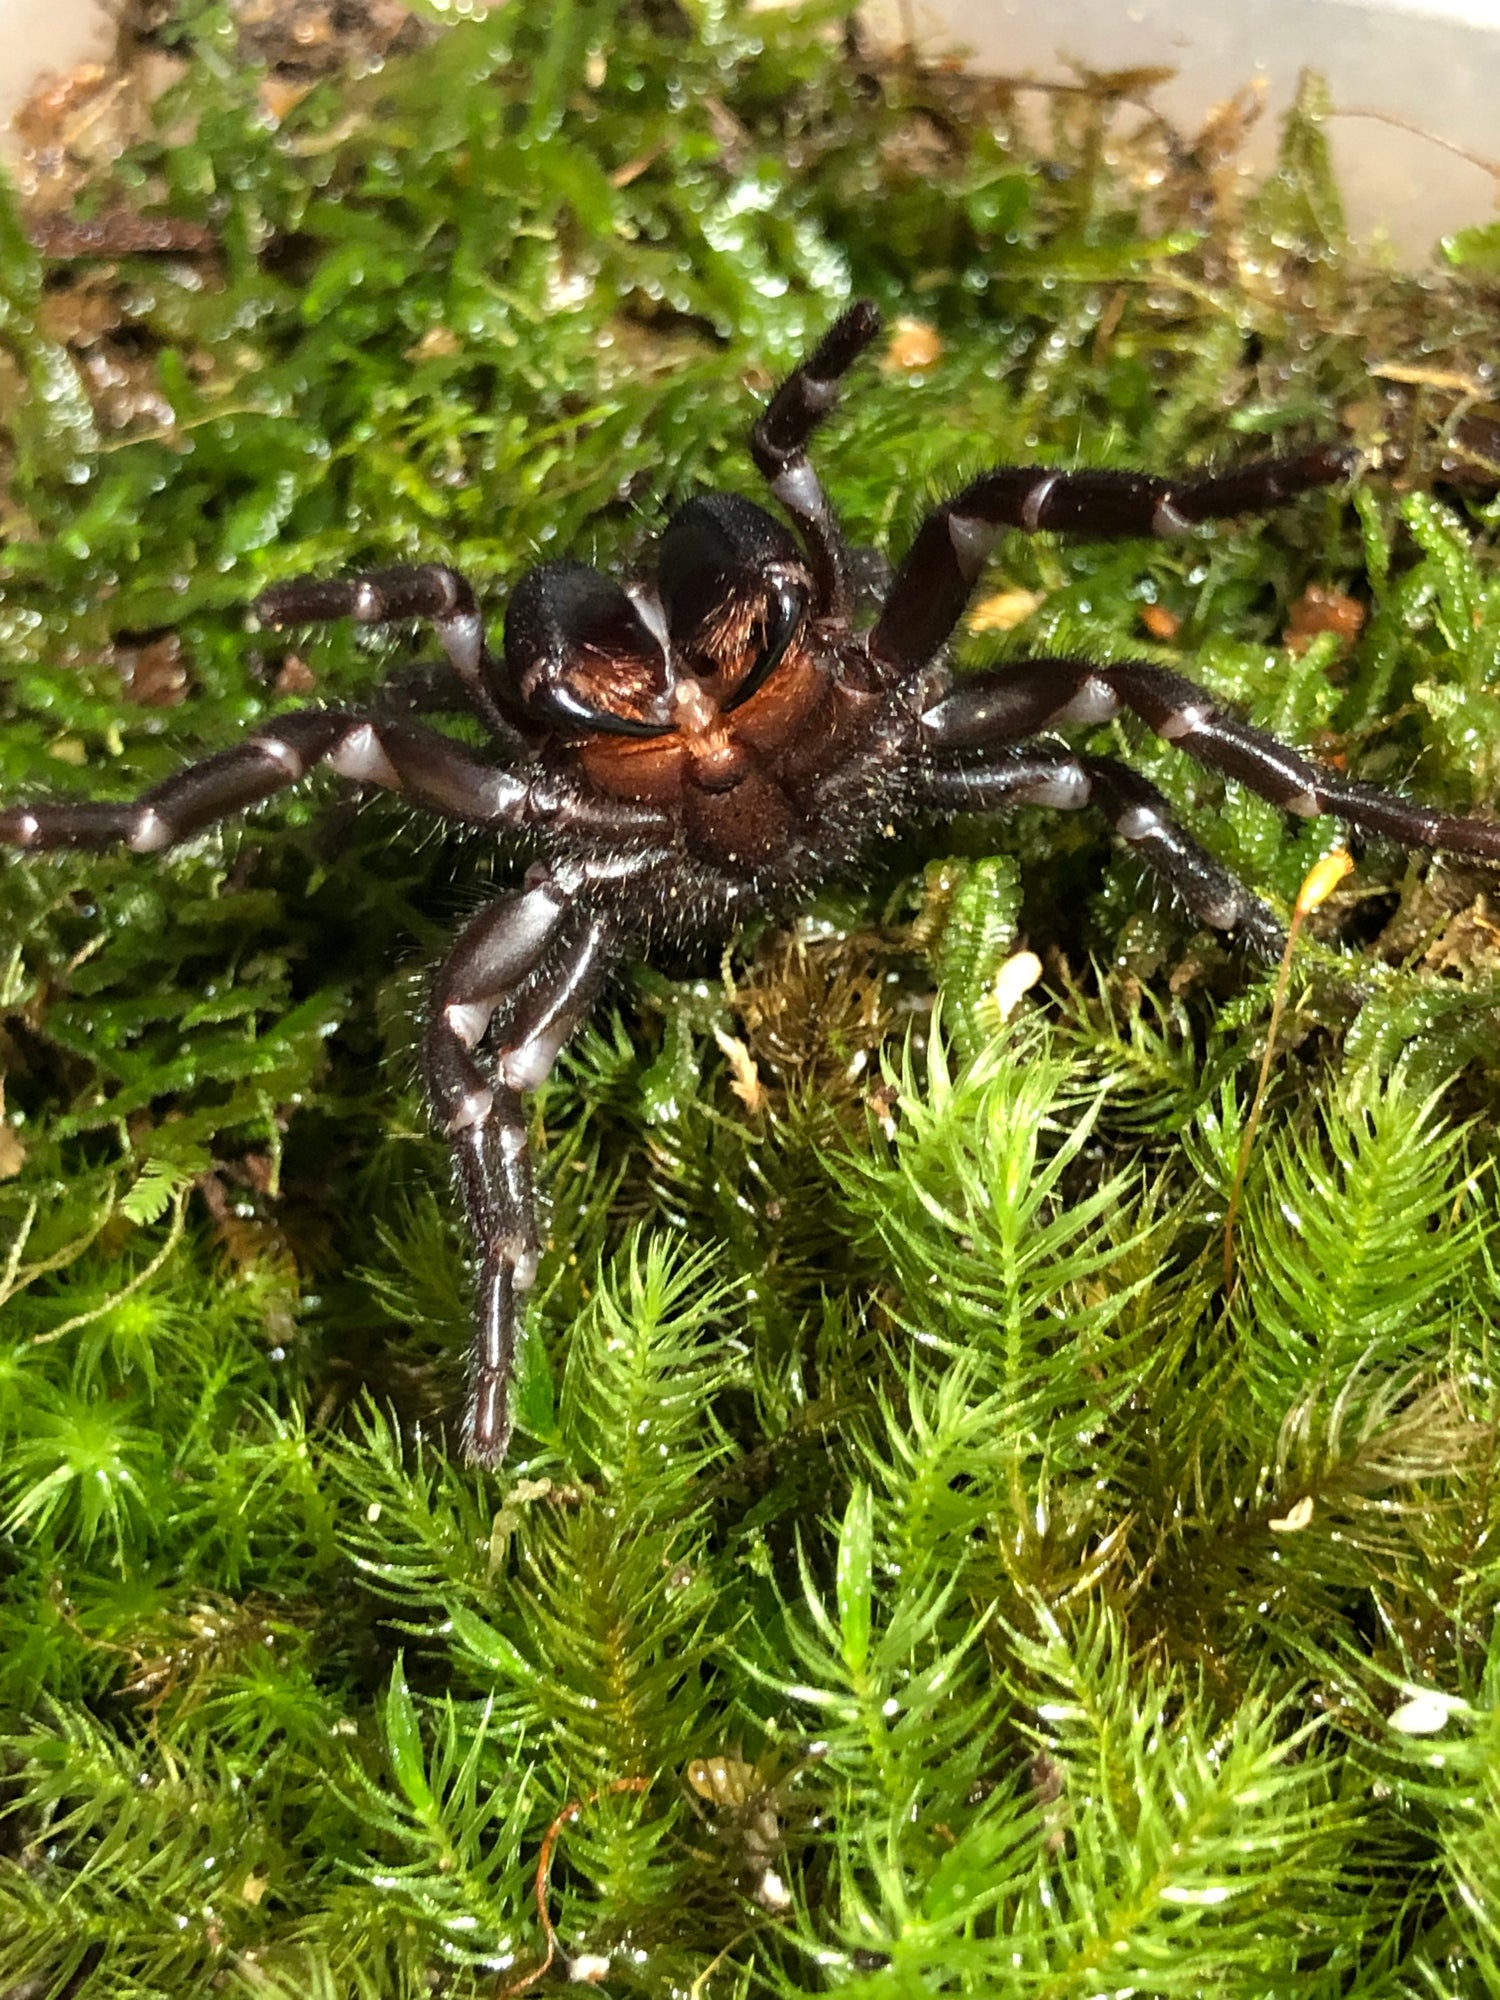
(295, 676)
(913, 344)
(744, 1077)
(1320, 609)
(1004, 610)
(1162, 624)
(153, 674)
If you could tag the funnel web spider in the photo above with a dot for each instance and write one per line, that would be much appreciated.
(712, 740)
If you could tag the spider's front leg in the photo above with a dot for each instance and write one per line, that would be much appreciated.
(432, 592)
(944, 563)
(779, 442)
(523, 973)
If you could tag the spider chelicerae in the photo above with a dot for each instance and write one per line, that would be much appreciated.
(694, 747)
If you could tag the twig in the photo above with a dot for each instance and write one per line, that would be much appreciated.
(696, 1990)
(118, 233)
(18, 1276)
(142, 1277)
(543, 1870)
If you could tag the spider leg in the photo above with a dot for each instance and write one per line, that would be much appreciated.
(527, 967)
(944, 563)
(421, 764)
(1015, 700)
(430, 591)
(779, 441)
(1135, 810)
(1187, 716)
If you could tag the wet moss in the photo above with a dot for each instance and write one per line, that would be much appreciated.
(885, 1426)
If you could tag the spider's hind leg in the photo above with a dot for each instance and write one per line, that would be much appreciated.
(971, 726)
(1136, 811)
(528, 966)
(1187, 715)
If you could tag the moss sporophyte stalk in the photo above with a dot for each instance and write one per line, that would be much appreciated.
(915, 1569)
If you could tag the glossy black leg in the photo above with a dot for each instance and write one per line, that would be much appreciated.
(430, 769)
(524, 972)
(405, 757)
(1135, 810)
(946, 560)
(1015, 701)
(1005, 705)
(1187, 716)
(779, 441)
(429, 591)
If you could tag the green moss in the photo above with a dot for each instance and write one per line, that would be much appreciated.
(914, 1566)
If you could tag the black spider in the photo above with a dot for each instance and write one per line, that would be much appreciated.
(712, 742)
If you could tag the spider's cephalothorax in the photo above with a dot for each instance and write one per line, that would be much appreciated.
(704, 744)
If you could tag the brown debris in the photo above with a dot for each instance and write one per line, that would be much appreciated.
(1319, 609)
(153, 674)
(295, 676)
(912, 345)
(1003, 610)
(313, 38)
(117, 233)
(815, 1013)
(1162, 624)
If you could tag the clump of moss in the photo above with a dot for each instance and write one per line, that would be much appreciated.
(918, 1569)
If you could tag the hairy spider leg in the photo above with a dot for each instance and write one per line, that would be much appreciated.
(525, 973)
(1133, 807)
(778, 445)
(1009, 703)
(943, 565)
(425, 687)
(518, 960)
(430, 591)
(430, 769)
